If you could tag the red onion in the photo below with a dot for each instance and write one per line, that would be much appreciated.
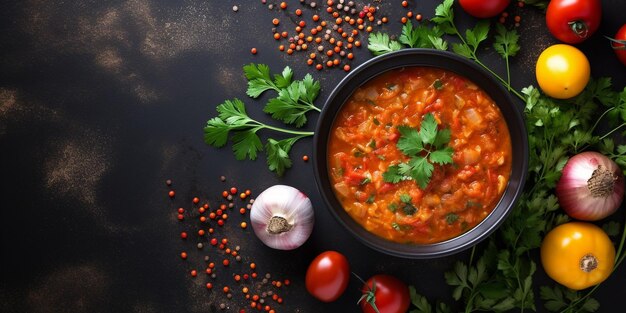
(591, 188)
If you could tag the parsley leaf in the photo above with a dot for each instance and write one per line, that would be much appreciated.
(413, 143)
(422, 36)
(379, 43)
(410, 142)
(506, 44)
(278, 154)
(561, 299)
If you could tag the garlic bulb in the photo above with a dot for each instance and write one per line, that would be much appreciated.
(282, 217)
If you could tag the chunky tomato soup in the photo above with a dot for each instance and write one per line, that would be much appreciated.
(363, 149)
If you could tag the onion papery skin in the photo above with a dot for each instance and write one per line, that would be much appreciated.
(286, 202)
(574, 194)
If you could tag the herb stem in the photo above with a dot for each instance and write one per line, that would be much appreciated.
(612, 131)
(287, 131)
(600, 118)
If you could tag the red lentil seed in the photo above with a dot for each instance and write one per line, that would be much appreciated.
(298, 12)
(183, 255)
(283, 5)
(194, 273)
(226, 289)
(244, 225)
(211, 265)
(181, 210)
(275, 21)
(201, 232)
(171, 194)
(403, 20)
(418, 17)
(209, 286)
(409, 14)
(253, 51)
(214, 241)
(517, 18)
(180, 217)
(183, 235)
(196, 200)
(225, 262)
(220, 223)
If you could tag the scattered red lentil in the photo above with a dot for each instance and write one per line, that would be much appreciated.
(225, 262)
(244, 225)
(194, 273)
(171, 193)
(403, 20)
(418, 17)
(275, 21)
(253, 51)
(405, 4)
(180, 217)
(283, 5)
(226, 289)
(209, 286)
(183, 255)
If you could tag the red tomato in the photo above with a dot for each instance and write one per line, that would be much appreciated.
(387, 293)
(484, 8)
(573, 21)
(328, 276)
(619, 44)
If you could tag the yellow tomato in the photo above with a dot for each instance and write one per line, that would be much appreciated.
(577, 255)
(562, 71)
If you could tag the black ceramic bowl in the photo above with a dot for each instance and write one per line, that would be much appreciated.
(511, 111)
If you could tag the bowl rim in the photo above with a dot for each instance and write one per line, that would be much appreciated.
(446, 60)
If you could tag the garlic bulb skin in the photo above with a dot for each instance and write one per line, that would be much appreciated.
(282, 217)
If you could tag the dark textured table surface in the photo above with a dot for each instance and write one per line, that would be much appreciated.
(102, 101)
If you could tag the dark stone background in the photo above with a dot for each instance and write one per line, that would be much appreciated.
(102, 101)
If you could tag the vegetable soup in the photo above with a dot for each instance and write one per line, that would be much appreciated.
(419, 155)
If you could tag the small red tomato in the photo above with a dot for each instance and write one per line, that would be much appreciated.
(573, 21)
(619, 44)
(387, 293)
(484, 8)
(327, 276)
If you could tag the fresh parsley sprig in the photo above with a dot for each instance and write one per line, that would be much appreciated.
(233, 122)
(295, 98)
(506, 40)
(425, 147)
(421, 36)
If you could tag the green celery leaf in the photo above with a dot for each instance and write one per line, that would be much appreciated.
(421, 171)
(419, 301)
(216, 132)
(233, 112)
(428, 129)
(506, 41)
(462, 50)
(392, 175)
(284, 79)
(257, 71)
(278, 154)
(257, 86)
(477, 34)
(441, 157)
(246, 143)
(379, 43)
(442, 138)
(410, 142)
(312, 88)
